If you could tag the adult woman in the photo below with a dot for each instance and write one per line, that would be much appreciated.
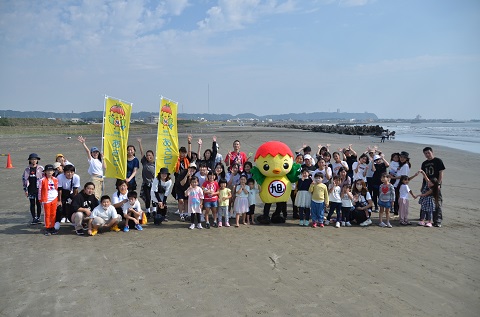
(235, 156)
(148, 174)
(363, 203)
(132, 167)
(119, 198)
(95, 166)
(404, 169)
(209, 155)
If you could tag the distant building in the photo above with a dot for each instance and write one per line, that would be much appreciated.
(152, 119)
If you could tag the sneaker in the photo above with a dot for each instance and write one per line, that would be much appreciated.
(63, 220)
(126, 228)
(321, 225)
(177, 212)
(301, 222)
(375, 210)
(79, 232)
(220, 224)
(207, 225)
(389, 225)
(192, 226)
(368, 221)
(343, 223)
(314, 225)
(68, 221)
(428, 224)
(227, 224)
(214, 224)
(337, 224)
(54, 231)
(47, 232)
(326, 222)
(182, 218)
(382, 224)
(94, 232)
(115, 228)
(35, 221)
(438, 225)
(199, 226)
(348, 224)
(138, 227)
(421, 223)
(306, 223)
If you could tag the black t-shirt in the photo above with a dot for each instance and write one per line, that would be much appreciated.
(32, 180)
(377, 175)
(432, 168)
(82, 200)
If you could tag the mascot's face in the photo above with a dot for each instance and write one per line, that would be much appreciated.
(276, 166)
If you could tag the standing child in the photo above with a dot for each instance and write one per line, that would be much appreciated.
(68, 184)
(386, 199)
(233, 179)
(48, 196)
(195, 202)
(347, 206)
(224, 195)
(303, 199)
(319, 200)
(132, 212)
(403, 200)
(334, 193)
(95, 166)
(429, 200)
(394, 166)
(241, 201)
(210, 201)
(252, 200)
(31, 177)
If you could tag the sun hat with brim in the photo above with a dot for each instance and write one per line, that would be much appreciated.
(164, 170)
(49, 167)
(33, 156)
(377, 157)
(404, 154)
(56, 165)
(94, 149)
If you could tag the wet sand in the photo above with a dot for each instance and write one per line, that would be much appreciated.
(276, 270)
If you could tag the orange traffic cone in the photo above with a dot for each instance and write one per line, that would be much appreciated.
(9, 162)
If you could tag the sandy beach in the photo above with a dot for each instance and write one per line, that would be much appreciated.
(276, 270)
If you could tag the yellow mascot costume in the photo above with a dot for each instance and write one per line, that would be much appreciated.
(274, 172)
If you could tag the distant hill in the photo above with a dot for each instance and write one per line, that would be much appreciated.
(96, 115)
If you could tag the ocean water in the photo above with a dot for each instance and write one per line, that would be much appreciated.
(462, 135)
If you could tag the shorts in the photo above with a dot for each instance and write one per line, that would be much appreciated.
(385, 204)
(210, 204)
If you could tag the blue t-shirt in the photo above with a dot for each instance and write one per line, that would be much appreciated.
(130, 166)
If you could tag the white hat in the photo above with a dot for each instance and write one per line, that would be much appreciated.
(376, 157)
(192, 165)
(307, 157)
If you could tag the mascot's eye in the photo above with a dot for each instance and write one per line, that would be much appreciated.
(266, 167)
(285, 165)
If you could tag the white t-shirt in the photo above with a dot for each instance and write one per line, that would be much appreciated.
(336, 166)
(334, 195)
(393, 168)
(118, 198)
(369, 169)
(95, 167)
(106, 215)
(404, 170)
(361, 170)
(403, 191)
(326, 174)
(346, 201)
(201, 179)
(252, 196)
(68, 184)
(136, 206)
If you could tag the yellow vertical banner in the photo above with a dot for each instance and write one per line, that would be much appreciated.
(167, 136)
(116, 126)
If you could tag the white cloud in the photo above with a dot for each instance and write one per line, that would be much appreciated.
(236, 14)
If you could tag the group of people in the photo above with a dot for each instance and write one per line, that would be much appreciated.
(346, 184)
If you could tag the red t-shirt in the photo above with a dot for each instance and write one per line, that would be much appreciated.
(211, 186)
(237, 158)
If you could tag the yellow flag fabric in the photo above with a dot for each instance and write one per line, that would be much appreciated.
(115, 137)
(167, 136)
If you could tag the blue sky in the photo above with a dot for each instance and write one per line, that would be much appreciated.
(394, 58)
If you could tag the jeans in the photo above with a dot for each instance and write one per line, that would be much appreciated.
(317, 210)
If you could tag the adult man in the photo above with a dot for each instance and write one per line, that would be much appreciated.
(83, 203)
(236, 157)
(433, 168)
